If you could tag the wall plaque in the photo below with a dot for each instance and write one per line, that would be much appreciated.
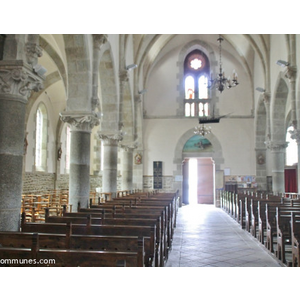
(157, 174)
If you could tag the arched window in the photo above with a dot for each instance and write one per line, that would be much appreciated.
(196, 74)
(189, 87)
(68, 147)
(292, 149)
(41, 134)
(203, 84)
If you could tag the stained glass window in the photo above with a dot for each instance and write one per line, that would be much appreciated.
(196, 71)
(68, 147)
(41, 135)
(189, 88)
(39, 138)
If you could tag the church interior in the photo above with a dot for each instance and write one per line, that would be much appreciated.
(176, 121)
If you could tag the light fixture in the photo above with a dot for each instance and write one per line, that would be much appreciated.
(261, 90)
(202, 130)
(40, 70)
(131, 67)
(142, 91)
(221, 82)
(282, 63)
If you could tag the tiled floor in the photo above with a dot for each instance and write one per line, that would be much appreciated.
(206, 236)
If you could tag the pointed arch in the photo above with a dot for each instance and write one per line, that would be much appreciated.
(278, 110)
(79, 58)
(109, 101)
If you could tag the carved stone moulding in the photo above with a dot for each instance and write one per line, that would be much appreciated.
(33, 52)
(295, 135)
(129, 146)
(276, 146)
(80, 121)
(111, 136)
(99, 40)
(18, 79)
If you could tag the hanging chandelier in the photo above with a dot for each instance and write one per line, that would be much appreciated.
(202, 130)
(221, 82)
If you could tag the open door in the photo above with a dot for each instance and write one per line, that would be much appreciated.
(185, 183)
(205, 183)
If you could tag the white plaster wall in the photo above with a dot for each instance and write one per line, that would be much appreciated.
(160, 99)
(236, 137)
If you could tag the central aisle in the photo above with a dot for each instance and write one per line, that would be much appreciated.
(205, 236)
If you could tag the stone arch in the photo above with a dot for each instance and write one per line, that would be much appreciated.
(206, 49)
(78, 52)
(278, 110)
(127, 114)
(109, 102)
(278, 134)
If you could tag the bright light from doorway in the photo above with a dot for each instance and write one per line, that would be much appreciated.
(193, 179)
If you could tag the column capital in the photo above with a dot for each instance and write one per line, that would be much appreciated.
(80, 121)
(33, 52)
(18, 79)
(129, 146)
(124, 76)
(291, 73)
(138, 98)
(295, 134)
(266, 98)
(113, 136)
(276, 146)
(99, 40)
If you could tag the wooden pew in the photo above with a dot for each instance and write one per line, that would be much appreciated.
(284, 231)
(156, 217)
(168, 201)
(140, 211)
(271, 222)
(74, 242)
(261, 219)
(148, 232)
(67, 258)
(258, 216)
(119, 219)
(295, 234)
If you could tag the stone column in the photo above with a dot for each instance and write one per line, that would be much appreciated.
(278, 163)
(79, 176)
(138, 137)
(127, 166)
(17, 80)
(110, 160)
(261, 172)
(266, 99)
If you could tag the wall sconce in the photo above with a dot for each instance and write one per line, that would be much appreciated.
(40, 70)
(261, 90)
(131, 67)
(142, 92)
(282, 63)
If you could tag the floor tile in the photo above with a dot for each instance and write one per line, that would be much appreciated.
(205, 236)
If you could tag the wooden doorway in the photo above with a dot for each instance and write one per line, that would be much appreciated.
(198, 181)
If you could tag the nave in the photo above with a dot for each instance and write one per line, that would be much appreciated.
(206, 236)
